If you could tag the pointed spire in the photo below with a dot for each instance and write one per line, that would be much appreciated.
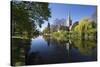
(68, 20)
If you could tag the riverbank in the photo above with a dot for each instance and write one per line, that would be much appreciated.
(20, 37)
(65, 35)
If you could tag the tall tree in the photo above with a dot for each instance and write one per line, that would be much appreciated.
(85, 27)
(49, 27)
(28, 15)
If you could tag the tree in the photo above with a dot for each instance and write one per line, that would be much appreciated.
(59, 24)
(20, 18)
(39, 12)
(86, 27)
(74, 25)
(49, 27)
(26, 16)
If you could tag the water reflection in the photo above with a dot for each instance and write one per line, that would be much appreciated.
(19, 49)
(51, 50)
(47, 50)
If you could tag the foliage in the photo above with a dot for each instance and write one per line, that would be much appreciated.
(74, 25)
(61, 35)
(26, 16)
(85, 27)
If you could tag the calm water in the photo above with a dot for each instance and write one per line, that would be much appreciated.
(46, 50)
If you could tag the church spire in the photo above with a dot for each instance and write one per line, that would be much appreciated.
(68, 22)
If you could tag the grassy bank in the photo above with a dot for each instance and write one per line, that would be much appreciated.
(65, 35)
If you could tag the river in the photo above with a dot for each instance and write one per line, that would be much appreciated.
(46, 50)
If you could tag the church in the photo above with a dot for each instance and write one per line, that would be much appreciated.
(69, 22)
(65, 26)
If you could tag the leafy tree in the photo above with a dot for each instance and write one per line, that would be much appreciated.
(45, 30)
(86, 27)
(20, 18)
(26, 16)
(58, 24)
(39, 12)
(74, 25)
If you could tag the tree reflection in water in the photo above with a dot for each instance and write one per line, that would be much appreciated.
(47, 50)
(83, 48)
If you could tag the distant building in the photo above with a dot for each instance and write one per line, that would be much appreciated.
(69, 22)
(62, 24)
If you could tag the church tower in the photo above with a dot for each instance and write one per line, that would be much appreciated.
(69, 21)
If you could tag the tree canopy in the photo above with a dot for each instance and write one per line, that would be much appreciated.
(85, 26)
(26, 16)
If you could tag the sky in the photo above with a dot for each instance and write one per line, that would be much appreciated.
(77, 12)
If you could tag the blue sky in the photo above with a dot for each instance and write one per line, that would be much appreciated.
(77, 12)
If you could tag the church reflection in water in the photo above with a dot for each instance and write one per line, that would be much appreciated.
(47, 50)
